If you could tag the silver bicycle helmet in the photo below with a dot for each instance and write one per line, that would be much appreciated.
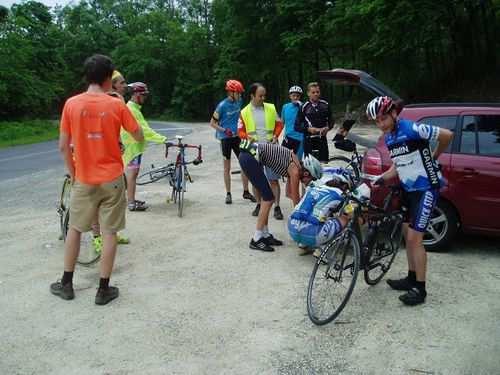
(313, 166)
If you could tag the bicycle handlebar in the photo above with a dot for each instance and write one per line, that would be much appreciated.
(196, 161)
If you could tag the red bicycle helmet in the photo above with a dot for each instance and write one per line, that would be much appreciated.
(234, 85)
(138, 88)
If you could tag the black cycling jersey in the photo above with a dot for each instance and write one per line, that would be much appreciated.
(316, 115)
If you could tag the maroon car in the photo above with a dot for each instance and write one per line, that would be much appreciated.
(470, 199)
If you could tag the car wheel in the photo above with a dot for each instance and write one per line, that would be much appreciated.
(442, 228)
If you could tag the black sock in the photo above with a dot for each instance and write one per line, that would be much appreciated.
(67, 278)
(412, 277)
(104, 283)
(421, 287)
(228, 193)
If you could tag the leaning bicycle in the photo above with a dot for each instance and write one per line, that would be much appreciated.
(88, 253)
(336, 270)
(177, 173)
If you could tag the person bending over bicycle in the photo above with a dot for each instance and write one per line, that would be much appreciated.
(420, 176)
(133, 149)
(283, 162)
(312, 222)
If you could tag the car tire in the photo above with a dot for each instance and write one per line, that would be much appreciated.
(442, 228)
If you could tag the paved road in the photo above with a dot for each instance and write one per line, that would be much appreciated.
(23, 160)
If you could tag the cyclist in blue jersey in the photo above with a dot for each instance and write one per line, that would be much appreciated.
(315, 220)
(225, 122)
(293, 139)
(417, 168)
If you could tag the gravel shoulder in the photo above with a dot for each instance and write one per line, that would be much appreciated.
(195, 300)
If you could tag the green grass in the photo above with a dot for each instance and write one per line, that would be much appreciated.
(27, 131)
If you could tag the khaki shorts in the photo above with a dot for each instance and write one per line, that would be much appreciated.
(107, 200)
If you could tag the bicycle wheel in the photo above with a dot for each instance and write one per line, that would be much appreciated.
(346, 163)
(181, 187)
(88, 254)
(153, 175)
(333, 278)
(384, 250)
(63, 208)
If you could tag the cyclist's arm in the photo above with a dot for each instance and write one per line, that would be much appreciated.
(130, 124)
(444, 138)
(390, 173)
(242, 130)
(278, 128)
(214, 122)
(65, 149)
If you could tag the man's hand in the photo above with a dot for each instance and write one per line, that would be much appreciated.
(275, 139)
(228, 132)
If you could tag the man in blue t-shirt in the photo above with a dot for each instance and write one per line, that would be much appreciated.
(225, 121)
(417, 168)
(293, 139)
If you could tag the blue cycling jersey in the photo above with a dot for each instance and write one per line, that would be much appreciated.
(229, 113)
(288, 115)
(317, 204)
(408, 146)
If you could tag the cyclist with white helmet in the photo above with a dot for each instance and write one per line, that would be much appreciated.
(132, 155)
(293, 139)
(415, 165)
(314, 221)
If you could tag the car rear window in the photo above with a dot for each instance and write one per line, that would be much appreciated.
(481, 135)
(447, 122)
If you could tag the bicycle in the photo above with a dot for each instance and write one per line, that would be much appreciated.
(88, 254)
(177, 172)
(336, 269)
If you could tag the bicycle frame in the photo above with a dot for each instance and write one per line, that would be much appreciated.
(180, 172)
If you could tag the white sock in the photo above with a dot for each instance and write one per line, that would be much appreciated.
(265, 231)
(258, 235)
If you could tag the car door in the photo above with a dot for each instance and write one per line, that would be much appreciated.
(475, 170)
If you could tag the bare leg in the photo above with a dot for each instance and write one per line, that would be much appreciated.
(131, 178)
(227, 174)
(275, 186)
(244, 180)
(71, 249)
(409, 258)
(108, 254)
(263, 218)
(416, 252)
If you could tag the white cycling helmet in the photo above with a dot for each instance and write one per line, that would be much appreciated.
(295, 90)
(379, 106)
(313, 166)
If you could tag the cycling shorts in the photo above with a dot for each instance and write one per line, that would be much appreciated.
(306, 233)
(420, 206)
(135, 163)
(255, 173)
(228, 144)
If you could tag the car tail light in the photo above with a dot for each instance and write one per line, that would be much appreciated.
(372, 163)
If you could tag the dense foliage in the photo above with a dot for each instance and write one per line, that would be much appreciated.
(186, 49)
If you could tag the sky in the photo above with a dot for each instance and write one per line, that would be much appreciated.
(50, 3)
